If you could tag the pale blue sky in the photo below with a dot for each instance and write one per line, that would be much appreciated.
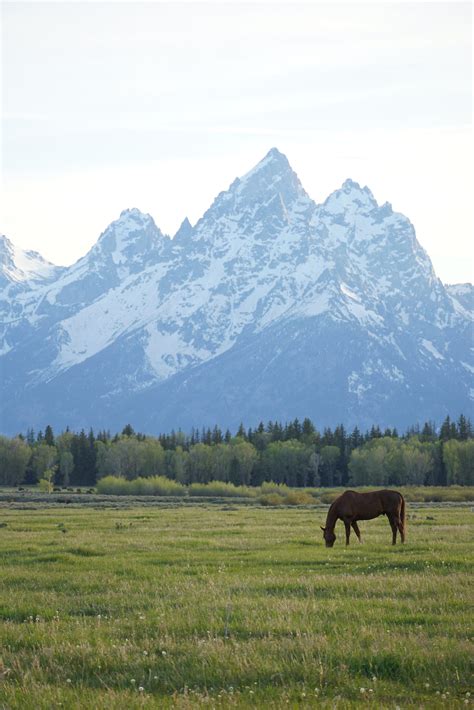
(161, 105)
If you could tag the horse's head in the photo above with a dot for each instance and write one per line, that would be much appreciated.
(329, 537)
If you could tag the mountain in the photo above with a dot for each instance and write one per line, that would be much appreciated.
(24, 267)
(270, 307)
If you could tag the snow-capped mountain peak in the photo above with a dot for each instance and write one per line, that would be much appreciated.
(132, 233)
(258, 205)
(274, 163)
(185, 230)
(350, 199)
(127, 245)
(272, 175)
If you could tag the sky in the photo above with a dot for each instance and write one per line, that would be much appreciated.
(160, 105)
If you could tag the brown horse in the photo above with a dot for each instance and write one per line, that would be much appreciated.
(351, 506)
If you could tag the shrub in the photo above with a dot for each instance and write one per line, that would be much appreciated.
(269, 487)
(299, 498)
(272, 499)
(293, 497)
(222, 490)
(153, 486)
(113, 485)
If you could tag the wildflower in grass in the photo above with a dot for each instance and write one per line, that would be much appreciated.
(132, 680)
(68, 680)
(362, 690)
(468, 694)
(141, 688)
(427, 685)
(145, 653)
(163, 653)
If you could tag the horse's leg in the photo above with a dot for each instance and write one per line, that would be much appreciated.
(401, 529)
(355, 528)
(393, 525)
(347, 523)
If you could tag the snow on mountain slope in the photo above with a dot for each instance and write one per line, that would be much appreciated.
(462, 296)
(18, 266)
(22, 274)
(141, 311)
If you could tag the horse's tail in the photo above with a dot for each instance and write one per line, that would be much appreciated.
(402, 514)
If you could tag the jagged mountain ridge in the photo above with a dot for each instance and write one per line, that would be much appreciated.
(169, 329)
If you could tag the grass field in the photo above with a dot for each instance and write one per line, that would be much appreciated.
(232, 606)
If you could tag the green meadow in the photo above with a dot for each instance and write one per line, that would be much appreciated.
(231, 605)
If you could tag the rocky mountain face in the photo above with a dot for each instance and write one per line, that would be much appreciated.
(270, 307)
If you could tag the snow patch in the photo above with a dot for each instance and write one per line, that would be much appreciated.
(428, 345)
(348, 292)
(167, 353)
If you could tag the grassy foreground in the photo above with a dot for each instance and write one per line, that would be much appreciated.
(232, 606)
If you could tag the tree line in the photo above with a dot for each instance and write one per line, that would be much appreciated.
(296, 454)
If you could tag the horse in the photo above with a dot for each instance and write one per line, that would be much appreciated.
(352, 506)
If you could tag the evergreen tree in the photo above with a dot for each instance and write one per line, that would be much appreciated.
(241, 433)
(48, 436)
(216, 435)
(356, 439)
(277, 432)
(327, 438)
(309, 435)
(428, 433)
(445, 431)
(128, 430)
(307, 428)
(85, 456)
(464, 428)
